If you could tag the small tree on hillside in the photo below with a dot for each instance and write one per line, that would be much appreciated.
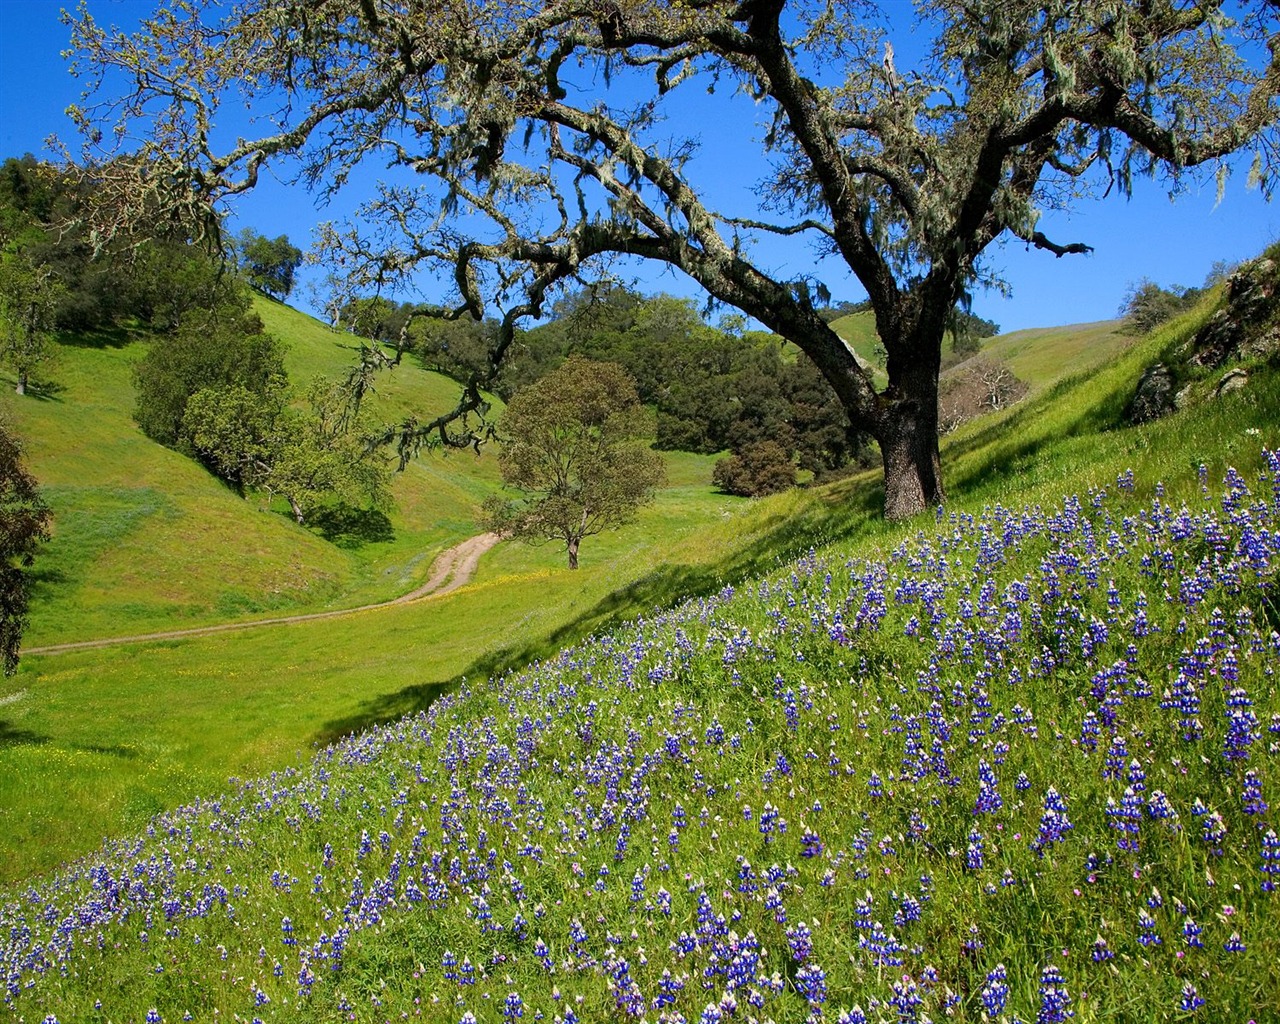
(221, 347)
(577, 448)
(759, 468)
(269, 264)
(310, 458)
(1146, 305)
(29, 297)
(24, 523)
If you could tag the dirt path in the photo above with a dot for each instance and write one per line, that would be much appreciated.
(452, 569)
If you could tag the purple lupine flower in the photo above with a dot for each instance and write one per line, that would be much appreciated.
(1054, 823)
(1251, 794)
(995, 990)
(1270, 860)
(973, 858)
(1147, 924)
(811, 980)
(989, 800)
(1191, 1000)
(906, 999)
(1054, 1000)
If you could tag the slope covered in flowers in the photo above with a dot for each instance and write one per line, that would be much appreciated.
(1023, 767)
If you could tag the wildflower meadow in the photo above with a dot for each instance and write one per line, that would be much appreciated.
(1020, 768)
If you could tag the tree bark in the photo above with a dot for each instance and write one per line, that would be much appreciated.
(908, 438)
(572, 545)
(21, 387)
(297, 511)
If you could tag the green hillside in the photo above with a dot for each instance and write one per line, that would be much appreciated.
(145, 539)
(858, 331)
(893, 762)
(94, 742)
(1038, 355)
(1042, 355)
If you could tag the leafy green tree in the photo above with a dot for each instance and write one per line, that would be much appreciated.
(1146, 305)
(29, 295)
(220, 348)
(310, 458)
(576, 444)
(758, 468)
(906, 176)
(268, 264)
(24, 524)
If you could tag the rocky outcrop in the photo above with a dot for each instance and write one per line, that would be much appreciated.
(1154, 397)
(1244, 331)
(1247, 327)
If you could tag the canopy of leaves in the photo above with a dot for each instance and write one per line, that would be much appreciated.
(762, 467)
(24, 524)
(1146, 305)
(547, 125)
(576, 443)
(216, 348)
(268, 264)
(312, 458)
(712, 390)
(29, 296)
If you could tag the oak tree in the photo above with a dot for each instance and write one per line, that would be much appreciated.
(576, 443)
(24, 524)
(544, 124)
(268, 264)
(312, 458)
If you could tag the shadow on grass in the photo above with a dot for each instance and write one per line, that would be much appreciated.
(102, 336)
(844, 511)
(348, 527)
(115, 750)
(11, 736)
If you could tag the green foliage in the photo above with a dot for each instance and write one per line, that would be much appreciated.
(29, 295)
(457, 348)
(24, 524)
(576, 444)
(314, 458)
(712, 390)
(760, 468)
(906, 177)
(1146, 305)
(268, 264)
(222, 347)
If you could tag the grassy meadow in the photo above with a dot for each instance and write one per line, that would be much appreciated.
(1015, 762)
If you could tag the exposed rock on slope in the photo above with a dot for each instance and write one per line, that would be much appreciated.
(1243, 332)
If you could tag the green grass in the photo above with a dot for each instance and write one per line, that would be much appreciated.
(1043, 355)
(93, 742)
(145, 539)
(1040, 356)
(601, 787)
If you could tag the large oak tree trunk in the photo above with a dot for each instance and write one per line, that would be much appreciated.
(908, 438)
(912, 470)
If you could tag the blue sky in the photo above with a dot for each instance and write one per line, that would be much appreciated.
(1170, 242)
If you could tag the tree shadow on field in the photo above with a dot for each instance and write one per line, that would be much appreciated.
(346, 526)
(846, 510)
(100, 336)
(11, 736)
